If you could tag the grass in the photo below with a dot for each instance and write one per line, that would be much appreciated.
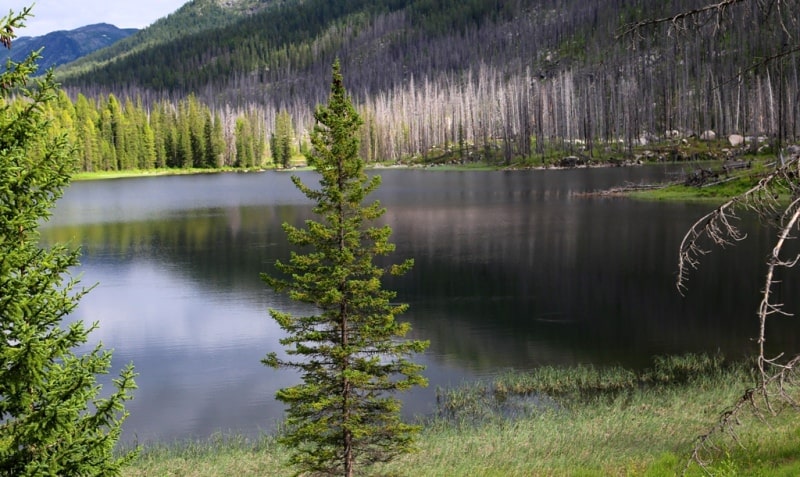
(222, 455)
(736, 183)
(591, 422)
(713, 194)
(101, 175)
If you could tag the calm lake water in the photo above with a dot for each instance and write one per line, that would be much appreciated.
(513, 270)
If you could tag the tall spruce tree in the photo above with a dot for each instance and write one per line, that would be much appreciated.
(282, 139)
(351, 355)
(52, 421)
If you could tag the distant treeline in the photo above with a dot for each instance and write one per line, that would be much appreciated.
(488, 117)
(109, 134)
(478, 79)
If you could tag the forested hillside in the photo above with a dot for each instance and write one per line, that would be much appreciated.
(513, 80)
(192, 18)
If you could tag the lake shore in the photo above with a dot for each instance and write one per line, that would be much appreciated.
(478, 166)
(639, 430)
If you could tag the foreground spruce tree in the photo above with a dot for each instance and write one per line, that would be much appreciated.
(51, 419)
(350, 355)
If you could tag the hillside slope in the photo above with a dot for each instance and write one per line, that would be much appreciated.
(195, 17)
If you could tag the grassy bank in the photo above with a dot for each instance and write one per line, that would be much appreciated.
(101, 175)
(717, 189)
(592, 422)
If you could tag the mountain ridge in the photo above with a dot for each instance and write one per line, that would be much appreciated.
(64, 46)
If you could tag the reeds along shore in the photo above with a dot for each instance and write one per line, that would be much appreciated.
(552, 421)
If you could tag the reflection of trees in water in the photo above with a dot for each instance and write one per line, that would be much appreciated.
(593, 283)
(227, 246)
(493, 286)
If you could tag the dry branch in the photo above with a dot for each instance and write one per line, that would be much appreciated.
(697, 17)
(776, 376)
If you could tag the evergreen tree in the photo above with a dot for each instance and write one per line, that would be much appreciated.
(118, 134)
(197, 137)
(158, 124)
(215, 141)
(52, 421)
(350, 354)
(274, 149)
(184, 137)
(148, 153)
(88, 143)
(281, 141)
(245, 153)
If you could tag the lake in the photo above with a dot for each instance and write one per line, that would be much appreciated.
(513, 269)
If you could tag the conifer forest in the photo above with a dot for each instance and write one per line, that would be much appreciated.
(504, 82)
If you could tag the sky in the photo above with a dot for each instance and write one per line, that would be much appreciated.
(53, 15)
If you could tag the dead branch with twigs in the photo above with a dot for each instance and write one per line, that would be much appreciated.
(777, 379)
(727, 423)
(775, 199)
(716, 15)
(684, 20)
(713, 18)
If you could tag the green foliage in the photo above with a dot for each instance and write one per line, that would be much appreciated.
(351, 355)
(250, 142)
(282, 139)
(110, 135)
(52, 420)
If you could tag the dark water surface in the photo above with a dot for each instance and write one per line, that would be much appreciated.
(513, 269)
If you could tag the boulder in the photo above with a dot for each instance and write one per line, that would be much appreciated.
(736, 140)
(708, 135)
(570, 161)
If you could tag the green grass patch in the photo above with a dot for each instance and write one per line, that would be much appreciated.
(579, 421)
(715, 193)
(221, 455)
(102, 175)
(719, 190)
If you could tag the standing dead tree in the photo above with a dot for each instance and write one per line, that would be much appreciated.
(775, 199)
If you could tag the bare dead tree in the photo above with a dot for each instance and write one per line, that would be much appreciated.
(775, 199)
(777, 376)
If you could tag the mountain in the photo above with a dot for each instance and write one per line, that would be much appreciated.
(198, 17)
(60, 47)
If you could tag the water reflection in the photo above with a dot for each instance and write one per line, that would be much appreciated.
(512, 270)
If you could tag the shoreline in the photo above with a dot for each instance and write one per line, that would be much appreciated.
(132, 173)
